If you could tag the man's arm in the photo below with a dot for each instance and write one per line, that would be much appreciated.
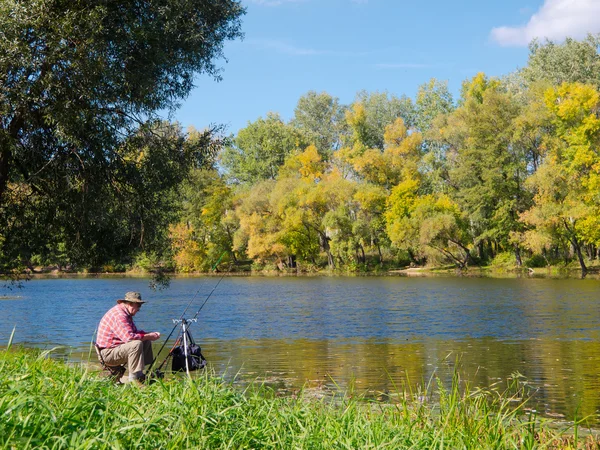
(125, 329)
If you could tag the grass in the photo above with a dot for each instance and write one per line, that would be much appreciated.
(47, 404)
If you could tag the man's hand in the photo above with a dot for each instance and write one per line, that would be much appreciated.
(151, 336)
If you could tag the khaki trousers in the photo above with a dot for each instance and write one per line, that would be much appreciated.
(135, 354)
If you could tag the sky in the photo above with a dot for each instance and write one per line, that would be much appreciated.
(341, 47)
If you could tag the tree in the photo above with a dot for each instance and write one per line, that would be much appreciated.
(399, 207)
(78, 81)
(424, 224)
(321, 117)
(432, 103)
(206, 225)
(100, 217)
(369, 223)
(259, 223)
(260, 149)
(569, 62)
(371, 113)
(399, 159)
(567, 184)
(433, 99)
(488, 166)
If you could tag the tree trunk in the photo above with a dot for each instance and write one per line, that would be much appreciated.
(380, 254)
(481, 250)
(518, 256)
(576, 247)
(412, 258)
(324, 241)
(291, 261)
(580, 257)
(363, 258)
(461, 263)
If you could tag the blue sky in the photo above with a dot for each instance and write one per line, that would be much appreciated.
(344, 46)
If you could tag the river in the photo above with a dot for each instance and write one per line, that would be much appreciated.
(374, 335)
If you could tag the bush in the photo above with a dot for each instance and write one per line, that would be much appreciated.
(504, 261)
(535, 260)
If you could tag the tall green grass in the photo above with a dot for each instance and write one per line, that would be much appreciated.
(46, 404)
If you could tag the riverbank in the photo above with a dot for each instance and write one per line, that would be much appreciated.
(449, 271)
(45, 403)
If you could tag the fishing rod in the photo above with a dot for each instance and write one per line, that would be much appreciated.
(183, 322)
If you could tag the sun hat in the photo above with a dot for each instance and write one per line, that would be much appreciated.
(131, 297)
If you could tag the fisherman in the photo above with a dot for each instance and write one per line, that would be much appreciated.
(120, 342)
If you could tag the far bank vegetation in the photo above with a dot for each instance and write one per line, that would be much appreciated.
(507, 176)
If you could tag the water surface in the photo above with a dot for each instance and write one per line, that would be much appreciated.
(377, 335)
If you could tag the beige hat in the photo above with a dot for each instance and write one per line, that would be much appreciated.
(131, 297)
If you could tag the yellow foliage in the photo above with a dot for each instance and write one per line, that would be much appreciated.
(188, 254)
(401, 200)
(311, 165)
(395, 133)
(370, 197)
(474, 89)
(356, 116)
(372, 166)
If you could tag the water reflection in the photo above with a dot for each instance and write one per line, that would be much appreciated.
(377, 335)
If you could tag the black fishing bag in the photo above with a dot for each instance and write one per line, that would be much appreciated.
(194, 356)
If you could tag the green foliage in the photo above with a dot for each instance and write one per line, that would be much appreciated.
(568, 62)
(489, 167)
(260, 149)
(503, 261)
(535, 261)
(433, 99)
(85, 184)
(85, 168)
(321, 118)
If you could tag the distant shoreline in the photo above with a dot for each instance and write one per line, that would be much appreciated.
(484, 272)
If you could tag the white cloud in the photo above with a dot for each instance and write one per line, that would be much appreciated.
(555, 20)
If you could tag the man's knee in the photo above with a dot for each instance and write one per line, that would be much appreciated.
(136, 347)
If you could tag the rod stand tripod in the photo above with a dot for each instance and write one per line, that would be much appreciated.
(185, 333)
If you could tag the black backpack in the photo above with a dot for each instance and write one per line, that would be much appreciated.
(194, 356)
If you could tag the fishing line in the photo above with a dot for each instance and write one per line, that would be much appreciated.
(178, 322)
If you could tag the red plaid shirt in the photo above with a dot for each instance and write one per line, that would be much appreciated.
(117, 327)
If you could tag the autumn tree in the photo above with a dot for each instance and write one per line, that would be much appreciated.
(207, 223)
(370, 113)
(567, 184)
(398, 160)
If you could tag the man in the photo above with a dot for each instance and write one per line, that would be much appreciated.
(119, 340)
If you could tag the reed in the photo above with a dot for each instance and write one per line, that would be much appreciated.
(47, 404)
